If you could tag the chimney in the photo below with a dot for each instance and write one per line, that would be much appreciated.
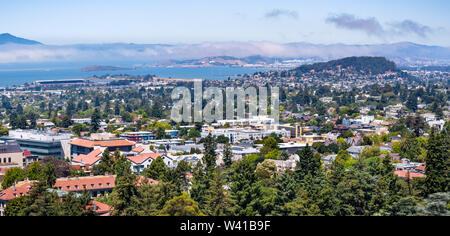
(95, 206)
(14, 187)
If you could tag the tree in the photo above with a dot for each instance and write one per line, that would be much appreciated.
(157, 170)
(122, 166)
(156, 111)
(77, 128)
(343, 145)
(269, 144)
(12, 176)
(266, 169)
(209, 158)
(48, 175)
(16, 206)
(308, 163)
(222, 139)
(218, 202)
(34, 172)
(410, 148)
(437, 204)
(66, 122)
(123, 194)
(437, 168)
(178, 176)
(286, 189)
(303, 205)
(181, 206)
(95, 120)
(160, 133)
(201, 179)
(245, 189)
(62, 168)
(151, 198)
(194, 133)
(106, 164)
(227, 155)
(411, 103)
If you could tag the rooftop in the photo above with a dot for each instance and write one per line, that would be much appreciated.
(35, 135)
(9, 146)
(103, 143)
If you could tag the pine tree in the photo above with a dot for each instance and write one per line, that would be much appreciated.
(227, 155)
(95, 120)
(209, 158)
(245, 189)
(437, 169)
(200, 183)
(308, 163)
(157, 170)
(286, 188)
(123, 194)
(218, 202)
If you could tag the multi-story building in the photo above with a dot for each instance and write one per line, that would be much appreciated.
(41, 144)
(139, 137)
(10, 153)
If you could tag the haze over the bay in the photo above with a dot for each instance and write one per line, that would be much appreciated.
(402, 53)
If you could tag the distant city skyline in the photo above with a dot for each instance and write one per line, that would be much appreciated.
(176, 22)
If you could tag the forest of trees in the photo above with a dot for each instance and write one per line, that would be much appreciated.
(252, 187)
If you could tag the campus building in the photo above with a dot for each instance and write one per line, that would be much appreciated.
(41, 144)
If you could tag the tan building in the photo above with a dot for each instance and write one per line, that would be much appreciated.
(10, 153)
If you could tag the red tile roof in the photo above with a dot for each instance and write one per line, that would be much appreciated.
(19, 190)
(144, 180)
(88, 183)
(107, 143)
(89, 159)
(139, 159)
(70, 185)
(404, 174)
(138, 149)
(102, 208)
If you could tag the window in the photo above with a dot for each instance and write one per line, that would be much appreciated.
(92, 185)
(9, 159)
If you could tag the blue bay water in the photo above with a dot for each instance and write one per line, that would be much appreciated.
(13, 76)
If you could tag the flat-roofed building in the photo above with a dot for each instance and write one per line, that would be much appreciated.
(38, 143)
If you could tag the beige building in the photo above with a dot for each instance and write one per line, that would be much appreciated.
(10, 153)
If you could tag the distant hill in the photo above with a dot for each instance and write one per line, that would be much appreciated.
(102, 68)
(371, 65)
(8, 38)
(221, 61)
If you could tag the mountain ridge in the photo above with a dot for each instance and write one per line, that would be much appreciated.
(6, 38)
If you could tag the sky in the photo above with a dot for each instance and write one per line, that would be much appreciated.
(58, 22)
